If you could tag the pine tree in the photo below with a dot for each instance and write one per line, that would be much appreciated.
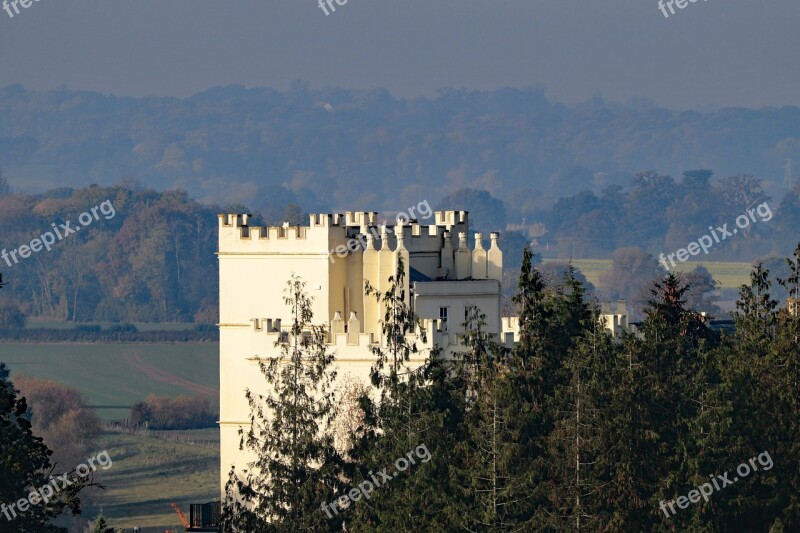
(413, 408)
(297, 469)
(491, 466)
(101, 526)
(584, 433)
(658, 391)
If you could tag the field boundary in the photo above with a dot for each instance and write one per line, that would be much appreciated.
(76, 336)
(168, 435)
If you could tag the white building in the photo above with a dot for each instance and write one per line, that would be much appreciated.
(335, 255)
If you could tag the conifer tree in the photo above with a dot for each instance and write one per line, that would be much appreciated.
(582, 436)
(297, 470)
(411, 410)
(659, 393)
(101, 526)
(492, 464)
(25, 466)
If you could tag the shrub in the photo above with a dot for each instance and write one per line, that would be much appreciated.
(183, 412)
(122, 328)
(11, 316)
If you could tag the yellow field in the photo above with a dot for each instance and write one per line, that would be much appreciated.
(727, 274)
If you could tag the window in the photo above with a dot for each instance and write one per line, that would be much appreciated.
(443, 317)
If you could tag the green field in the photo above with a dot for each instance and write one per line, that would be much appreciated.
(147, 475)
(114, 376)
(48, 323)
(729, 275)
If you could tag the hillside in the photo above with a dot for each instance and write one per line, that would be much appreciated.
(349, 149)
(113, 376)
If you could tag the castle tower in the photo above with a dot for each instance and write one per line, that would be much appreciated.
(336, 255)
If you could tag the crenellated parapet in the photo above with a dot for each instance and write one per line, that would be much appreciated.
(340, 228)
(266, 335)
(509, 325)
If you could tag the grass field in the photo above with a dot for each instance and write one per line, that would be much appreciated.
(114, 376)
(728, 274)
(147, 475)
(48, 323)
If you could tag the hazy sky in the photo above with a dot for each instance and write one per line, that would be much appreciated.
(714, 52)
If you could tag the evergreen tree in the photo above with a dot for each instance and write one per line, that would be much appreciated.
(492, 465)
(583, 438)
(662, 390)
(413, 408)
(297, 470)
(101, 526)
(25, 466)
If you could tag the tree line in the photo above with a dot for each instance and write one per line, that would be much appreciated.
(349, 149)
(661, 214)
(154, 261)
(571, 429)
(183, 412)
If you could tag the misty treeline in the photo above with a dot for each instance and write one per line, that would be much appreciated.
(660, 214)
(569, 430)
(182, 412)
(154, 260)
(330, 148)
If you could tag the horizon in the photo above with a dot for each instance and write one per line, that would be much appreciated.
(693, 59)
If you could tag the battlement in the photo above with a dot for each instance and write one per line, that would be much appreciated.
(451, 218)
(265, 334)
(234, 222)
(363, 220)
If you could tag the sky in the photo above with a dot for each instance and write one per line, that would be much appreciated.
(711, 53)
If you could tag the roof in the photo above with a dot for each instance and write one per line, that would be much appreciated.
(416, 275)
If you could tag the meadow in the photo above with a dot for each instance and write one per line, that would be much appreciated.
(112, 377)
(729, 275)
(147, 475)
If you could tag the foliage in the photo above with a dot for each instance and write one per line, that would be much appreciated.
(284, 147)
(61, 417)
(633, 270)
(152, 262)
(11, 316)
(100, 525)
(25, 463)
(486, 213)
(183, 412)
(296, 467)
(114, 334)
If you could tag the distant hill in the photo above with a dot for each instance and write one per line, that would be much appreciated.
(346, 149)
